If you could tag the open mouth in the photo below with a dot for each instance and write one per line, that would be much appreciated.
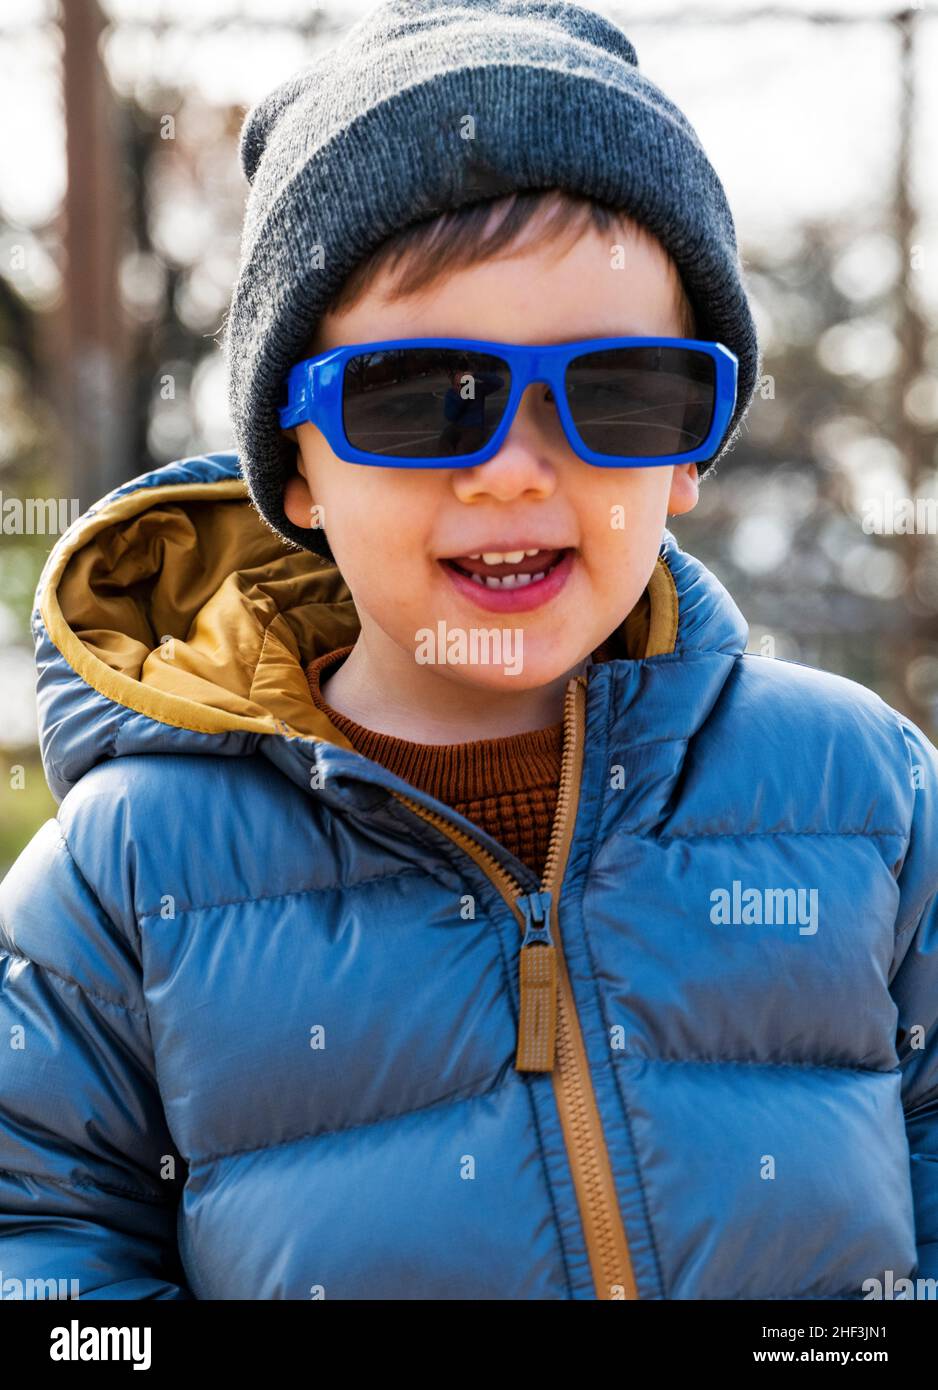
(515, 570)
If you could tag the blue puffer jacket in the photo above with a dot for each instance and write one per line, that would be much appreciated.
(260, 998)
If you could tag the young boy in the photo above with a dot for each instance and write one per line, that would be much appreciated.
(442, 903)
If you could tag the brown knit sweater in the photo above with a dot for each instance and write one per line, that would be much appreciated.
(508, 786)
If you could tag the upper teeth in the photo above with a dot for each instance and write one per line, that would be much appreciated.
(503, 557)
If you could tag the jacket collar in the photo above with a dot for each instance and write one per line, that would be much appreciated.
(169, 618)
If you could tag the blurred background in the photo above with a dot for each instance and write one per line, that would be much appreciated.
(120, 206)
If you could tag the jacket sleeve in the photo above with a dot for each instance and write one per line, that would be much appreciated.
(90, 1179)
(914, 987)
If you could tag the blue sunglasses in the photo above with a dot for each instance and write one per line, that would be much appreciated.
(449, 402)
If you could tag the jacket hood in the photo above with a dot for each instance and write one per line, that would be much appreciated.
(169, 618)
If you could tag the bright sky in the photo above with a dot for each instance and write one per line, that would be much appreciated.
(798, 118)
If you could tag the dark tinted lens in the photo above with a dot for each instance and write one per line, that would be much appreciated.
(642, 402)
(423, 402)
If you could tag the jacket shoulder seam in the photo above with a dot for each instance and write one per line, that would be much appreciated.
(455, 1099)
(67, 980)
(50, 970)
(69, 1183)
(915, 916)
(770, 834)
(273, 897)
(622, 1057)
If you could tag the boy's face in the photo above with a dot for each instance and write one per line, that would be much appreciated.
(391, 528)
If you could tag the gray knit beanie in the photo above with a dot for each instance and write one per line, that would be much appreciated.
(367, 139)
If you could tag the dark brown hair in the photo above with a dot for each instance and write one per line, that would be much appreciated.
(425, 251)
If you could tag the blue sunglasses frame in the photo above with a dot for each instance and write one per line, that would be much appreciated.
(314, 390)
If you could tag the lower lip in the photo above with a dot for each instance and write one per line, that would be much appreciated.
(533, 595)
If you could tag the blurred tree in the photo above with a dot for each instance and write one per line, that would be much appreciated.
(138, 266)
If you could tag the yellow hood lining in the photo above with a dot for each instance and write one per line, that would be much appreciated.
(243, 613)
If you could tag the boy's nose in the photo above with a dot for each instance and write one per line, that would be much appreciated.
(525, 464)
(537, 410)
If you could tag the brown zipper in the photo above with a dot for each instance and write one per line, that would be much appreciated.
(548, 1012)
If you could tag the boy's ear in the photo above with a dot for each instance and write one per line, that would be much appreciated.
(297, 500)
(685, 489)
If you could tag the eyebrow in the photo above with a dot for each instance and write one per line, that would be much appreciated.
(629, 331)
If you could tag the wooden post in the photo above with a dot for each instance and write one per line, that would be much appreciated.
(96, 397)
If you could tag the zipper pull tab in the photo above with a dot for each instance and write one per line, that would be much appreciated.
(537, 975)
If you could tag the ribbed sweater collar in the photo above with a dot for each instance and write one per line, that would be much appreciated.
(454, 771)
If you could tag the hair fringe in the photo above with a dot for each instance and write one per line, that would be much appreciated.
(423, 252)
